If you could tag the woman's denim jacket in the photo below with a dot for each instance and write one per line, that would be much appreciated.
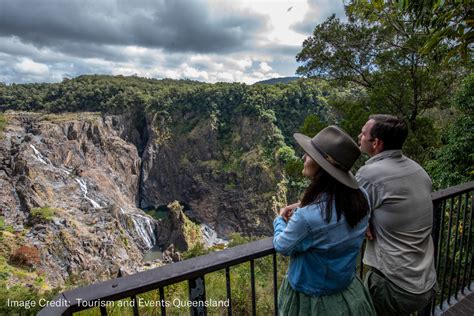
(323, 255)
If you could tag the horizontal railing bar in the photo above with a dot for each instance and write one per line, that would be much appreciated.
(145, 281)
(458, 189)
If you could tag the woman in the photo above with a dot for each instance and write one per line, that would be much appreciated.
(323, 235)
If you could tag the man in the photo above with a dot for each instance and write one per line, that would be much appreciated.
(399, 249)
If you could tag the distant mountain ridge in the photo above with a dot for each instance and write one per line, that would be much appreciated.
(278, 80)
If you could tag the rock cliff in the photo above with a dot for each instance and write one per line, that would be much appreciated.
(229, 184)
(73, 186)
(69, 187)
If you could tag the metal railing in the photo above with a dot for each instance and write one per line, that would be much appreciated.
(452, 233)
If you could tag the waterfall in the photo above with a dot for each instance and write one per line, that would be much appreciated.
(210, 236)
(38, 156)
(83, 185)
(143, 227)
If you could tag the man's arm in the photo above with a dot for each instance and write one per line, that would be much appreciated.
(372, 193)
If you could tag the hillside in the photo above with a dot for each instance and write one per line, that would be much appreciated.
(278, 80)
(80, 161)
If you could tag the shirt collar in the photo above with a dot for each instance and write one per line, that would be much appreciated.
(396, 153)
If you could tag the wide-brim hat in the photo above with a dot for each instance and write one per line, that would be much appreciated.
(334, 151)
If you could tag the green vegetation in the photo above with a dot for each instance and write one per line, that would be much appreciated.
(453, 163)
(344, 92)
(27, 299)
(404, 58)
(14, 265)
(448, 20)
(43, 213)
(3, 124)
(158, 213)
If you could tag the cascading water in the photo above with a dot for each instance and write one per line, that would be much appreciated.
(142, 226)
(144, 229)
(83, 185)
(38, 156)
(210, 236)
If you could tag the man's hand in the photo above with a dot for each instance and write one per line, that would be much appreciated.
(368, 233)
(287, 211)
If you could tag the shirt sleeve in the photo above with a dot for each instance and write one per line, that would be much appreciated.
(372, 191)
(289, 238)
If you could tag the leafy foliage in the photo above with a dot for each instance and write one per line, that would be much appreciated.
(351, 108)
(43, 213)
(312, 125)
(3, 124)
(378, 50)
(453, 163)
(378, 62)
(450, 23)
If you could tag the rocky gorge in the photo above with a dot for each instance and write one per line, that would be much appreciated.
(74, 187)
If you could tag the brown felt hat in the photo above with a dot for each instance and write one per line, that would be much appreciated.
(334, 151)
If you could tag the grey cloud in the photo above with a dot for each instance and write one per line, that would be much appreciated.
(66, 52)
(56, 70)
(319, 11)
(173, 25)
(282, 50)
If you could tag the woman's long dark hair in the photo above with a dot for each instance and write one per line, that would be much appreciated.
(350, 202)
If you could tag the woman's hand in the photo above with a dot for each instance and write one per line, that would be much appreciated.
(287, 211)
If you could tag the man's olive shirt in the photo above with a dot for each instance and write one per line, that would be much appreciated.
(399, 192)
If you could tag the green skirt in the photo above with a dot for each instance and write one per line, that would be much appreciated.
(355, 300)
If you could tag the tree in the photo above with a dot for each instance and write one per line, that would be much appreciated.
(378, 50)
(312, 125)
(453, 163)
(449, 21)
(351, 108)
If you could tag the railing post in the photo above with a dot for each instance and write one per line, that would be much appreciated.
(197, 295)
(275, 283)
(437, 215)
(252, 286)
(437, 222)
(229, 294)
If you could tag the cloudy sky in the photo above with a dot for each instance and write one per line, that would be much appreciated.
(205, 40)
